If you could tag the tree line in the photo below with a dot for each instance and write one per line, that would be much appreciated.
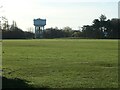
(12, 31)
(101, 28)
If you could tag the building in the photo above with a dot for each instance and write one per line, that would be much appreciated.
(39, 27)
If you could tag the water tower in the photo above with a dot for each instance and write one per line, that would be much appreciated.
(39, 27)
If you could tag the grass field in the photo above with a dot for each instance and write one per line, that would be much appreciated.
(60, 63)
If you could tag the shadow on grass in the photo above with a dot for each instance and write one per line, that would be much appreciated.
(16, 83)
(23, 85)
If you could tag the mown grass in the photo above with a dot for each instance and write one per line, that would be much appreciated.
(62, 63)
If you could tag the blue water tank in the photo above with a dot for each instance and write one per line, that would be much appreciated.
(39, 22)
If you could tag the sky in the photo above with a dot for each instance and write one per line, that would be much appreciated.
(58, 13)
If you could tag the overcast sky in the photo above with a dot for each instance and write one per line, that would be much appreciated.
(60, 13)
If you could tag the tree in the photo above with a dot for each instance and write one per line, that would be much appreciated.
(102, 17)
(115, 27)
(67, 31)
(30, 29)
(13, 26)
(76, 34)
(87, 31)
(4, 23)
(67, 28)
(100, 27)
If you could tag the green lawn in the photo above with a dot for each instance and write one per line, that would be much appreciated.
(61, 63)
